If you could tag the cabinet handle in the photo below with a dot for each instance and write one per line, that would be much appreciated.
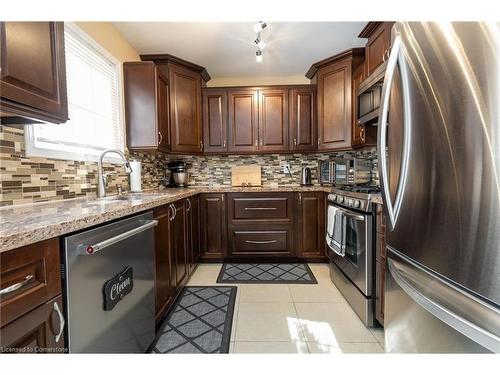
(319, 142)
(222, 197)
(160, 138)
(224, 143)
(171, 208)
(189, 206)
(261, 143)
(295, 142)
(260, 208)
(16, 286)
(62, 322)
(362, 134)
(261, 242)
(300, 198)
(256, 143)
(201, 145)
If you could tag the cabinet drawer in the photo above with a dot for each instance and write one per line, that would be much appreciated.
(40, 331)
(259, 207)
(380, 219)
(29, 276)
(274, 241)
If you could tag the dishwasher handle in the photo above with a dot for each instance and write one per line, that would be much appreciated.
(84, 249)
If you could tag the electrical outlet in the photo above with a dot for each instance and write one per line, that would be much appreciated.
(286, 168)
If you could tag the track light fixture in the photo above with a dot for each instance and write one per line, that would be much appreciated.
(258, 56)
(260, 43)
(258, 27)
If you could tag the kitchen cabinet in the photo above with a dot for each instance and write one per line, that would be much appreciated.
(178, 242)
(303, 126)
(333, 77)
(310, 225)
(378, 45)
(213, 226)
(260, 225)
(33, 72)
(273, 120)
(39, 331)
(243, 120)
(146, 107)
(361, 135)
(164, 271)
(214, 120)
(193, 237)
(380, 264)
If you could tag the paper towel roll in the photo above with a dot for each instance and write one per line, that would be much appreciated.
(135, 176)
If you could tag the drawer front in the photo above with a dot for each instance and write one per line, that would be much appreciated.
(39, 331)
(380, 219)
(260, 207)
(261, 242)
(29, 277)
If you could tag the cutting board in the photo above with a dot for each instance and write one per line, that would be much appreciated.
(246, 175)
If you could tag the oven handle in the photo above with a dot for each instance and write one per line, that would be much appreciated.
(353, 216)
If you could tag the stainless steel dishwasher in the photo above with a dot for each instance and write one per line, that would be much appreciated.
(109, 287)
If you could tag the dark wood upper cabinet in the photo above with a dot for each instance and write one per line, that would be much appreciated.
(243, 120)
(33, 72)
(333, 77)
(146, 107)
(214, 120)
(310, 225)
(273, 120)
(378, 44)
(303, 127)
(213, 226)
(185, 109)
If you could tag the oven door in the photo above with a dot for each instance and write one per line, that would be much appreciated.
(355, 258)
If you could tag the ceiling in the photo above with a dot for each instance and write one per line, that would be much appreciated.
(228, 49)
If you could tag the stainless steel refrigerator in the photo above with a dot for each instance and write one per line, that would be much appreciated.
(439, 167)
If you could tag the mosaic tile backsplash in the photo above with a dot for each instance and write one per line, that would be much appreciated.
(25, 179)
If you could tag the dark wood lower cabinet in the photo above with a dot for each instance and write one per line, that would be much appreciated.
(178, 242)
(39, 331)
(310, 225)
(213, 226)
(193, 235)
(165, 272)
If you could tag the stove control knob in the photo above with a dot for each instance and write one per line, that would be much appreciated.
(340, 199)
(357, 204)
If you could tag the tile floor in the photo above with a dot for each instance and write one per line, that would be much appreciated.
(291, 318)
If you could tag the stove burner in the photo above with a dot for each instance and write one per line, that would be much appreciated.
(367, 189)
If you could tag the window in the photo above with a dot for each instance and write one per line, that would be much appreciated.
(93, 81)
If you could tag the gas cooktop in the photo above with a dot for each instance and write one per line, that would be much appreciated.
(367, 189)
(358, 197)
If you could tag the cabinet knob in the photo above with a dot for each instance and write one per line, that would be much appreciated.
(295, 142)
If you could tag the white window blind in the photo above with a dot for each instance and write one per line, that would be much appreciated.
(93, 104)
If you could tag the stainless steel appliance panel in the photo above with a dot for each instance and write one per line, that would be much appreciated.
(440, 175)
(427, 315)
(130, 325)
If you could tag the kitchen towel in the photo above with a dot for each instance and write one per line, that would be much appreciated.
(135, 176)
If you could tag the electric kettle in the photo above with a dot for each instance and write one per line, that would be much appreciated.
(305, 176)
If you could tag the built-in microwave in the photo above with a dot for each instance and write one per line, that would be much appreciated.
(348, 171)
(368, 97)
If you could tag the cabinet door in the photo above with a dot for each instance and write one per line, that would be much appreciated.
(39, 331)
(33, 70)
(178, 238)
(185, 109)
(163, 104)
(310, 223)
(193, 227)
(273, 120)
(334, 106)
(165, 272)
(213, 226)
(243, 120)
(214, 120)
(358, 131)
(303, 127)
(378, 45)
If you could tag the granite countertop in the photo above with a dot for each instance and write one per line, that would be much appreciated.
(26, 224)
(377, 199)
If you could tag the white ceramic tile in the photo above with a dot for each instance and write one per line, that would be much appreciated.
(345, 347)
(267, 321)
(231, 347)
(316, 293)
(331, 323)
(378, 333)
(265, 293)
(270, 347)
(321, 272)
(235, 320)
(205, 274)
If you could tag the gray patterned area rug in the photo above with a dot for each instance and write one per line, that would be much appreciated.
(266, 273)
(199, 322)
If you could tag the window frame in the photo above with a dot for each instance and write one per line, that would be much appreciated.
(29, 138)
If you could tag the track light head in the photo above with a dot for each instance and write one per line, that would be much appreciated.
(260, 43)
(258, 27)
(258, 56)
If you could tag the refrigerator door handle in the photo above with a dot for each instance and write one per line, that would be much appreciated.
(412, 280)
(396, 56)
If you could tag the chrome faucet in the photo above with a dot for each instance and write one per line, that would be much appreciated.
(101, 178)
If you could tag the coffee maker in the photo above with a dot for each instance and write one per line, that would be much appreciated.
(178, 174)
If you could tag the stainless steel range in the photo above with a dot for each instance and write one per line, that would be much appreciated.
(350, 223)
